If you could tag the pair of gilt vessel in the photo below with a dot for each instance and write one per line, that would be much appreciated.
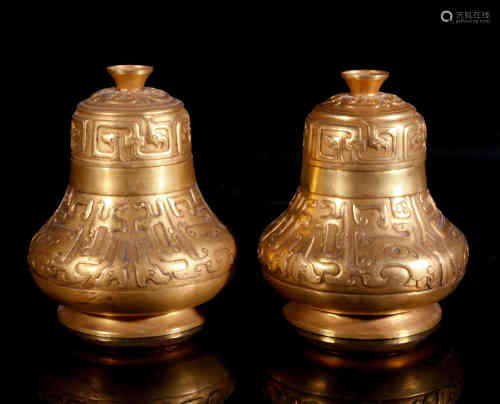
(362, 252)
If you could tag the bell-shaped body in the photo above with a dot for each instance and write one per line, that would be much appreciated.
(362, 234)
(133, 235)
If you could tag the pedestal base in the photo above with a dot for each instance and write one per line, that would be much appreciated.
(363, 333)
(166, 329)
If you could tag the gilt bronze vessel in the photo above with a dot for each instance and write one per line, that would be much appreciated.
(362, 252)
(133, 248)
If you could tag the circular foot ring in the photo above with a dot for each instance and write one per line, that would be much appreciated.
(366, 332)
(165, 329)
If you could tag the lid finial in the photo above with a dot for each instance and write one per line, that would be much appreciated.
(364, 82)
(130, 77)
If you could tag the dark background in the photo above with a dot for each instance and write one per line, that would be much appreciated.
(248, 78)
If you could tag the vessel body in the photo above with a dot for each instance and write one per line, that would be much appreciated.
(133, 236)
(362, 235)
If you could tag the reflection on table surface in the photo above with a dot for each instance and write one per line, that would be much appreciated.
(430, 373)
(183, 374)
(283, 370)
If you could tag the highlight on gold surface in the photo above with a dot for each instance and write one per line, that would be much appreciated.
(130, 77)
(133, 236)
(362, 236)
(364, 81)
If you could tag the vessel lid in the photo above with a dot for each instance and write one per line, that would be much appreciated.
(365, 129)
(365, 97)
(130, 125)
(129, 94)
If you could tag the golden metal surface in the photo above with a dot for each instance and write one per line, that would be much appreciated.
(130, 77)
(122, 331)
(364, 184)
(132, 236)
(427, 374)
(368, 328)
(184, 375)
(362, 236)
(131, 181)
(364, 82)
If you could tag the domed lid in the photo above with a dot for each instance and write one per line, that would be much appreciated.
(129, 94)
(364, 131)
(130, 125)
(364, 97)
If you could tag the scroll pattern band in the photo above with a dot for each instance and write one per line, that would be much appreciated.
(373, 246)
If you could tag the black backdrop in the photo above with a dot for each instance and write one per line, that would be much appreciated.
(248, 78)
